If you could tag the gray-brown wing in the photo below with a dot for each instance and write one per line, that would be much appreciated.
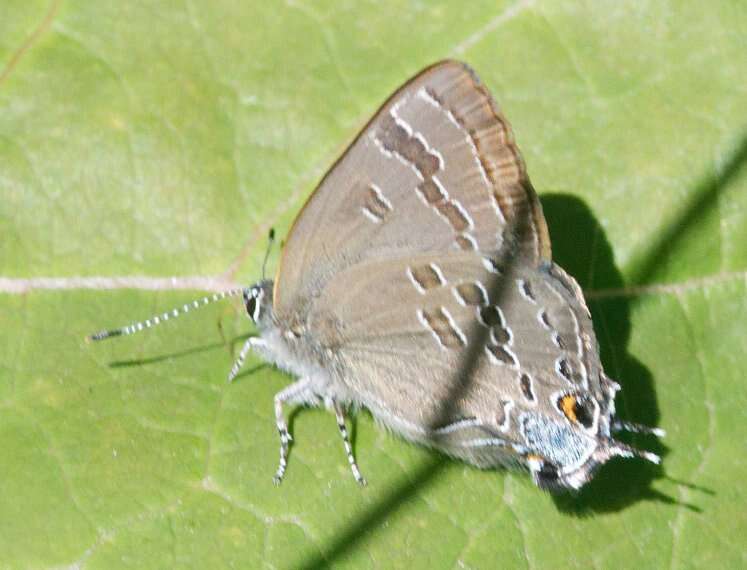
(435, 170)
(401, 330)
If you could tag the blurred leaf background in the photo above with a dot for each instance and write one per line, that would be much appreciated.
(164, 138)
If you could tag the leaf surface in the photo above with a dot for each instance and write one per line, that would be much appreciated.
(148, 140)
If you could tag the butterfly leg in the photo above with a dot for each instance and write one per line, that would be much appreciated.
(252, 342)
(297, 391)
(340, 415)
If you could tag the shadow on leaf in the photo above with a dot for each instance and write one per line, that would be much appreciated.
(581, 248)
(703, 201)
(180, 354)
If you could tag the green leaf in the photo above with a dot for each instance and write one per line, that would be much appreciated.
(164, 139)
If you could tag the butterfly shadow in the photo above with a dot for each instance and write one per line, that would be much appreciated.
(581, 247)
(226, 343)
(132, 362)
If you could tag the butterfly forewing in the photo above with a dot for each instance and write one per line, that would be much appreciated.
(435, 170)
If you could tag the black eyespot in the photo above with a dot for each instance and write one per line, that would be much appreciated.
(251, 306)
(584, 410)
(578, 409)
(490, 316)
(548, 477)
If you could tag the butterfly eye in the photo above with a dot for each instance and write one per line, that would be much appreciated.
(251, 307)
(253, 301)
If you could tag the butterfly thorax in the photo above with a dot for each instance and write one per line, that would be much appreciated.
(290, 345)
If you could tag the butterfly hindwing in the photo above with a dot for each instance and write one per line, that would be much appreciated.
(403, 331)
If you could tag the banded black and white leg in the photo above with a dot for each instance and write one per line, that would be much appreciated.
(295, 393)
(252, 343)
(340, 416)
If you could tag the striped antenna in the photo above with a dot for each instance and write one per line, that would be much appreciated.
(163, 317)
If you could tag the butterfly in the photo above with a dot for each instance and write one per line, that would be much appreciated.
(417, 282)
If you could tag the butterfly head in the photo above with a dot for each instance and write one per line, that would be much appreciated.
(258, 302)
